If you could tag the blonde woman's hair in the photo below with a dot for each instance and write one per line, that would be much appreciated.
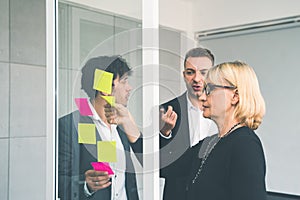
(251, 106)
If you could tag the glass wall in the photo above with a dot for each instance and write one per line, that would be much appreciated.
(85, 33)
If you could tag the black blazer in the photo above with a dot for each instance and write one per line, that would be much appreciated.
(174, 157)
(74, 159)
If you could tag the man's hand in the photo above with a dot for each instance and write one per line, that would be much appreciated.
(97, 180)
(117, 114)
(120, 115)
(168, 120)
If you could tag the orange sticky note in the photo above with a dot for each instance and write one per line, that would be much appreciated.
(110, 100)
(103, 81)
(86, 133)
(107, 151)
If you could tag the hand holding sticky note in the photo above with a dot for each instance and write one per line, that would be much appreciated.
(107, 151)
(102, 166)
(103, 81)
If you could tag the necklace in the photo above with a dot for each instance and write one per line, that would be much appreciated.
(211, 145)
(230, 130)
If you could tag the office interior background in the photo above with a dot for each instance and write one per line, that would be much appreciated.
(265, 34)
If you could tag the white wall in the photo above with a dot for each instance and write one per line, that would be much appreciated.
(217, 14)
(130, 8)
(196, 15)
(175, 14)
(23, 99)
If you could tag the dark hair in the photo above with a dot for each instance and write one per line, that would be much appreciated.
(199, 52)
(113, 64)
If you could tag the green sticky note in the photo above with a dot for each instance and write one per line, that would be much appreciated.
(103, 81)
(107, 151)
(110, 100)
(86, 133)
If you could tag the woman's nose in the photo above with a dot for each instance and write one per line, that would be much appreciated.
(202, 96)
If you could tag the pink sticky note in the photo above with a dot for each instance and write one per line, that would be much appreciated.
(102, 166)
(83, 106)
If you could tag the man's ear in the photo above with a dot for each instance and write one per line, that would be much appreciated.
(235, 98)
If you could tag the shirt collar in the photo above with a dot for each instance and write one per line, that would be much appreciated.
(189, 103)
(95, 115)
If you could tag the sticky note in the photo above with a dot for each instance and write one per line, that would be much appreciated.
(103, 81)
(107, 151)
(86, 133)
(102, 166)
(83, 106)
(110, 100)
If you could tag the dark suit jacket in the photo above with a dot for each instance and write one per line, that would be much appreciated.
(175, 158)
(74, 159)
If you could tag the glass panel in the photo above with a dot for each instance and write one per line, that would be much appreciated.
(92, 33)
(128, 43)
(173, 45)
(170, 59)
(86, 33)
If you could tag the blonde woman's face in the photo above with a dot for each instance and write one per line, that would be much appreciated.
(216, 100)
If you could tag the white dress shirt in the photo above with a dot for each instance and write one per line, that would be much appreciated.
(111, 134)
(199, 126)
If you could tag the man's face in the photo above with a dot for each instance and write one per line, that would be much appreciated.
(121, 89)
(194, 73)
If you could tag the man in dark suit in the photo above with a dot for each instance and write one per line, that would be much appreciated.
(77, 180)
(184, 126)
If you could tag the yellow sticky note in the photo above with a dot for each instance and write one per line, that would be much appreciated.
(103, 81)
(110, 100)
(86, 133)
(107, 151)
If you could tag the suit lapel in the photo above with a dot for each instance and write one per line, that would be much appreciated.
(91, 148)
(184, 124)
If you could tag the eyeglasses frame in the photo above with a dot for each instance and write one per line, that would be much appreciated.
(214, 86)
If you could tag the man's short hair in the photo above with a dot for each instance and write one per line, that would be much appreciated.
(199, 52)
(113, 64)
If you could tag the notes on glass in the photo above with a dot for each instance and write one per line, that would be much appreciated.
(103, 81)
(109, 99)
(107, 151)
(86, 133)
(83, 106)
(102, 166)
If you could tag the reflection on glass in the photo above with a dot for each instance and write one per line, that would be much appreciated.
(85, 34)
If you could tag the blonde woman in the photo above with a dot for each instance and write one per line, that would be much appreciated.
(231, 164)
